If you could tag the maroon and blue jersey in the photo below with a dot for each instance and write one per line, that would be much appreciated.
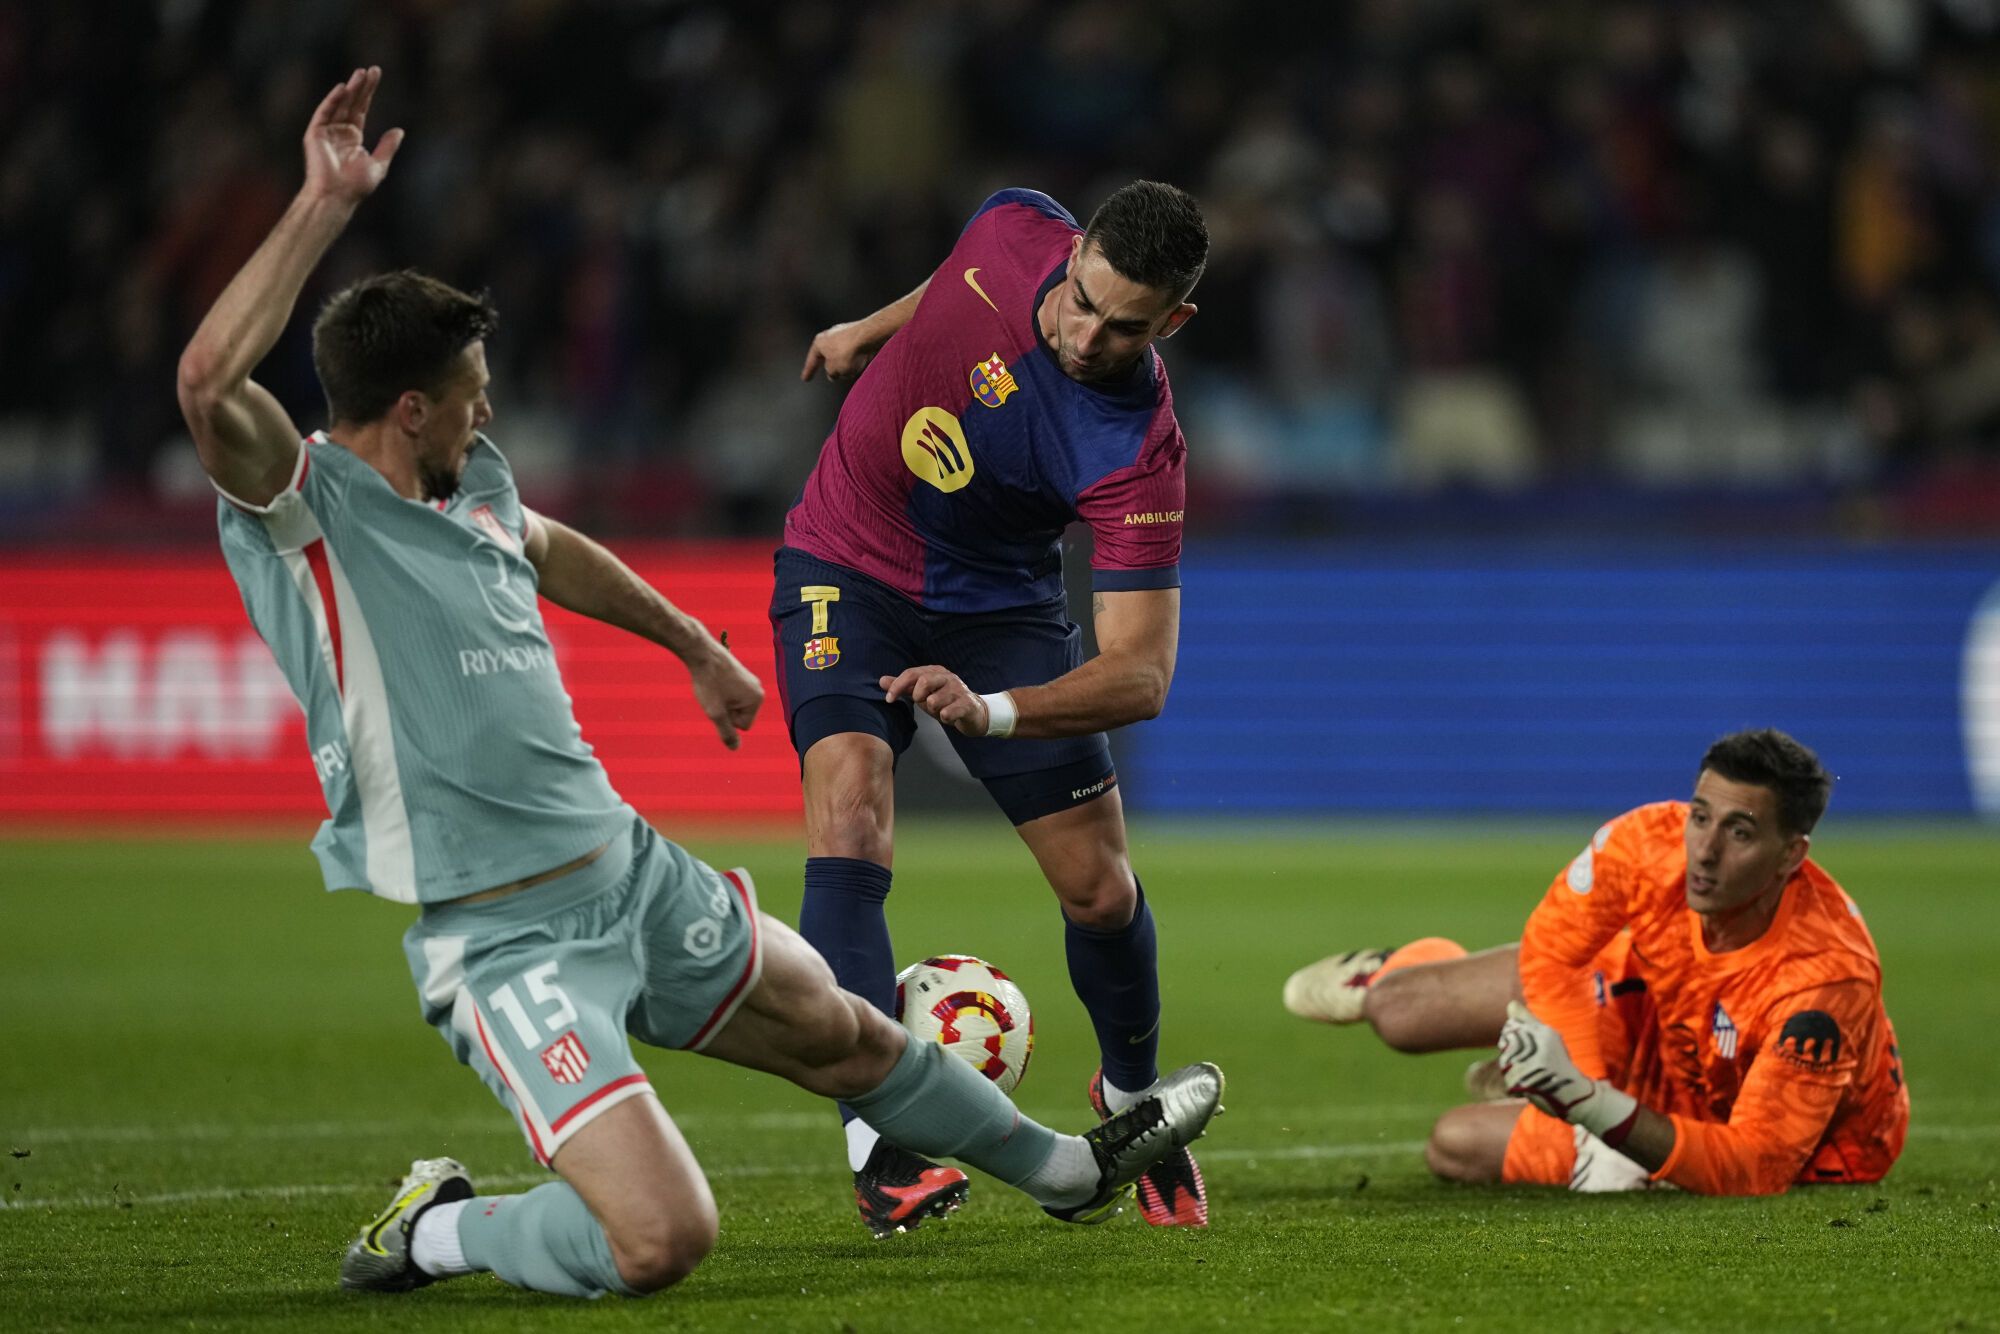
(963, 451)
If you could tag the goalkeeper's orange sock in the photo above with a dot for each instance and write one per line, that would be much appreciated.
(1431, 949)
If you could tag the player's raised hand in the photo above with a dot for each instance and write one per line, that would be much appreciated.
(728, 692)
(842, 351)
(338, 163)
(938, 692)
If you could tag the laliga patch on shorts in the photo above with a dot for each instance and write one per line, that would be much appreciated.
(566, 1059)
(822, 651)
(1810, 1038)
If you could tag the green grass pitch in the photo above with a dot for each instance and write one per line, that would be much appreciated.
(212, 1073)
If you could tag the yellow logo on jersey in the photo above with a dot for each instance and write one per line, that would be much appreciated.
(992, 381)
(934, 449)
(822, 651)
(973, 283)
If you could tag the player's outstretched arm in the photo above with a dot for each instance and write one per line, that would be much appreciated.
(1138, 637)
(246, 440)
(844, 350)
(582, 576)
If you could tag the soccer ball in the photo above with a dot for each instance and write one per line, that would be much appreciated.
(972, 1008)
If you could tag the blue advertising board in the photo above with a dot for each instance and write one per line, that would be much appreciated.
(1508, 678)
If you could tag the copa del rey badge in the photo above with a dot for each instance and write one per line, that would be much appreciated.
(822, 651)
(566, 1059)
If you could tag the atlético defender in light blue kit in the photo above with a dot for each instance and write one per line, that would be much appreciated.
(390, 565)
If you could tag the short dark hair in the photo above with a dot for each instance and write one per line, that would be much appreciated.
(376, 338)
(1768, 758)
(1153, 234)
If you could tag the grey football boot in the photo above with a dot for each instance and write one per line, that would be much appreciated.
(379, 1260)
(1173, 1114)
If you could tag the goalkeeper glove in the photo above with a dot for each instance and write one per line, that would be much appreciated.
(1600, 1168)
(1536, 1065)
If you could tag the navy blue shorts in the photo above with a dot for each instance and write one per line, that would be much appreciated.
(833, 651)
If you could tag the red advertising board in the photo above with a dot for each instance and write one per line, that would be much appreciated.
(132, 688)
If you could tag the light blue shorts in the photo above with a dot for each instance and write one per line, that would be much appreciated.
(537, 991)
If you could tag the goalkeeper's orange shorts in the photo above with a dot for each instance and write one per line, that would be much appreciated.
(1540, 1152)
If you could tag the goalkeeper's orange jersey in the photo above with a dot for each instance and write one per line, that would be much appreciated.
(1776, 1061)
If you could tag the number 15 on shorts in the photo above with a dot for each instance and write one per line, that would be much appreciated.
(540, 982)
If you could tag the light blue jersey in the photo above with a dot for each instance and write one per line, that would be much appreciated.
(445, 743)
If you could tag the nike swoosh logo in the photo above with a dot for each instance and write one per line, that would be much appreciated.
(973, 283)
(1133, 1042)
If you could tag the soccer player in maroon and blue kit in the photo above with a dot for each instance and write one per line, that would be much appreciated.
(1016, 391)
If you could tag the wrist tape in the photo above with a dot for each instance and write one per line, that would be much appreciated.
(1001, 714)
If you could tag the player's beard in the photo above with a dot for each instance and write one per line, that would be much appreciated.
(1097, 372)
(440, 480)
(439, 483)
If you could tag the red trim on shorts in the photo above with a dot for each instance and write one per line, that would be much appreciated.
(315, 554)
(749, 965)
(555, 1126)
(534, 1140)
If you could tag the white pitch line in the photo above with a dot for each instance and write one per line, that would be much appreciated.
(146, 1134)
(486, 1181)
(206, 1132)
(31, 1137)
(1219, 1154)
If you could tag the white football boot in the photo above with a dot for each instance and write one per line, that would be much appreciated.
(1332, 991)
(1174, 1114)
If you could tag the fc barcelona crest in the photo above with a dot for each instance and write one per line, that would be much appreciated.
(822, 651)
(992, 381)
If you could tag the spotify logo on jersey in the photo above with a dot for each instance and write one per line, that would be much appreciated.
(934, 449)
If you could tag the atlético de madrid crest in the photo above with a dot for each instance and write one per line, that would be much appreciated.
(822, 651)
(566, 1059)
(992, 381)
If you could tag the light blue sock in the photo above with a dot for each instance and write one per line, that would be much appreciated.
(546, 1240)
(934, 1104)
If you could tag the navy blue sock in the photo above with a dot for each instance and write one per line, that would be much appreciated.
(1117, 977)
(842, 918)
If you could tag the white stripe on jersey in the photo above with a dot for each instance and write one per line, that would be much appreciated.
(371, 746)
(364, 697)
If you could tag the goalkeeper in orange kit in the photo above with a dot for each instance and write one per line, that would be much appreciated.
(1693, 1002)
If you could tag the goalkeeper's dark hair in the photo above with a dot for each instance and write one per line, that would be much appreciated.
(1768, 758)
(1153, 234)
(380, 337)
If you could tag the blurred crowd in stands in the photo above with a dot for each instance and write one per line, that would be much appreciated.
(1496, 249)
